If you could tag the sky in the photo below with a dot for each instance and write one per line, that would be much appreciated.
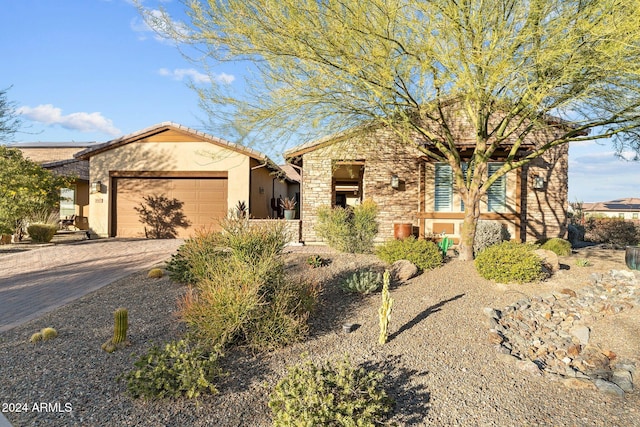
(92, 70)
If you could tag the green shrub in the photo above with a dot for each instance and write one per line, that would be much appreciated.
(583, 262)
(349, 229)
(240, 294)
(178, 369)
(41, 233)
(489, 233)
(510, 262)
(558, 246)
(329, 395)
(362, 282)
(612, 231)
(316, 261)
(425, 254)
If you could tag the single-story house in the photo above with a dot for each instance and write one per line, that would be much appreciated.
(209, 175)
(58, 158)
(409, 188)
(628, 208)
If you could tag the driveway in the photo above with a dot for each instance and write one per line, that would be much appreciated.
(37, 281)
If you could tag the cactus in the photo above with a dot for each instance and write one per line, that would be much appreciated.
(121, 317)
(36, 337)
(155, 273)
(48, 333)
(385, 309)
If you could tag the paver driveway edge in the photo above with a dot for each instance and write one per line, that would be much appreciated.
(35, 282)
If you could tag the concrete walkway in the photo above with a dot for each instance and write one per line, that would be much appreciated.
(39, 280)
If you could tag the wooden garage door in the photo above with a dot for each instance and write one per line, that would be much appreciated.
(205, 201)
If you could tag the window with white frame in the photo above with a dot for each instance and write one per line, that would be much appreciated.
(497, 192)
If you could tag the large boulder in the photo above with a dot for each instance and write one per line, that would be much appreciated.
(403, 270)
(549, 260)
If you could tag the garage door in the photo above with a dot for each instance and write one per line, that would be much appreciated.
(204, 202)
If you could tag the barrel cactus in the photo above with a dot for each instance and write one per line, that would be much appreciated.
(119, 339)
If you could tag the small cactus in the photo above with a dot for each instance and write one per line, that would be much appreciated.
(155, 273)
(385, 309)
(36, 337)
(48, 333)
(121, 318)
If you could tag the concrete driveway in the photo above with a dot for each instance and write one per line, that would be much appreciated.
(39, 280)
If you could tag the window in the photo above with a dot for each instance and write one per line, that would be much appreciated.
(635, 215)
(443, 188)
(621, 215)
(497, 192)
(67, 202)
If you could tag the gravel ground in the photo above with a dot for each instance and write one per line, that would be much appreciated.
(439, 367)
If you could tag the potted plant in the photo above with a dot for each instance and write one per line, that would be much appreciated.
(289, 206)
(632, 257)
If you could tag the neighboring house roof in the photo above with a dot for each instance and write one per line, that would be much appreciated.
(70, 167)
(40, 144)
(631, 204)
(164, 126)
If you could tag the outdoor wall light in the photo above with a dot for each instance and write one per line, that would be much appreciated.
(538, 182)
(96, 187)
(395, 181)
(261, 190)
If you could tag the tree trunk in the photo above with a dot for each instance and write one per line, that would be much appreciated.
(468, 232)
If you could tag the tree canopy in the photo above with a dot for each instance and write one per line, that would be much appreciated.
(25, 188)
(9, 120)
(508, 66)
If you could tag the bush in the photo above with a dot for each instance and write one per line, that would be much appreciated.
(329, 396)
(240, 293)
(362, 282)
(349, 229)
(179, 369)
(489, 233)
(575, 233)
(558, 246)
(316, 261)
(41, 233)
(612, 231)
(510, 262)
(425, 254)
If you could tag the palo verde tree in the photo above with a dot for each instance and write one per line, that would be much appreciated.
(508, 68)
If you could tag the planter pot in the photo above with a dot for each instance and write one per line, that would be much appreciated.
(632, 257)
(289, 214)
(402, 231)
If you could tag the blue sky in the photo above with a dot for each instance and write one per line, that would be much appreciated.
(91, 70)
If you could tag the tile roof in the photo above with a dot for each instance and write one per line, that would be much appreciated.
(618, 205)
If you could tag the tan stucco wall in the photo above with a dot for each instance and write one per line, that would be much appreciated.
(164, 156)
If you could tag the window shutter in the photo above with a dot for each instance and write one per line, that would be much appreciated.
(443, 187)
(497, 192)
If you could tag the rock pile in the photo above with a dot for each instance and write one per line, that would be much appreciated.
(550, 333)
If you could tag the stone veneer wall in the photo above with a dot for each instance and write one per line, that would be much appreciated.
(545, 211)
(382, 157)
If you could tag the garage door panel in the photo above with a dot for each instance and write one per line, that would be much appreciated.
(204, 202)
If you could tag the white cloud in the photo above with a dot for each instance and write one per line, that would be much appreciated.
(159, 25)
(196, 76)
(84, 122)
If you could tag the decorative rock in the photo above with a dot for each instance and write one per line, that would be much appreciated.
(579, 384)
(608, 387)
(622, 379)
(528, 366)
(495, 338)
(550, 333)
(403, 270)
(549, 259)
(582, 333)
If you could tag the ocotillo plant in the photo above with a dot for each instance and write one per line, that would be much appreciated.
(385, 308)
